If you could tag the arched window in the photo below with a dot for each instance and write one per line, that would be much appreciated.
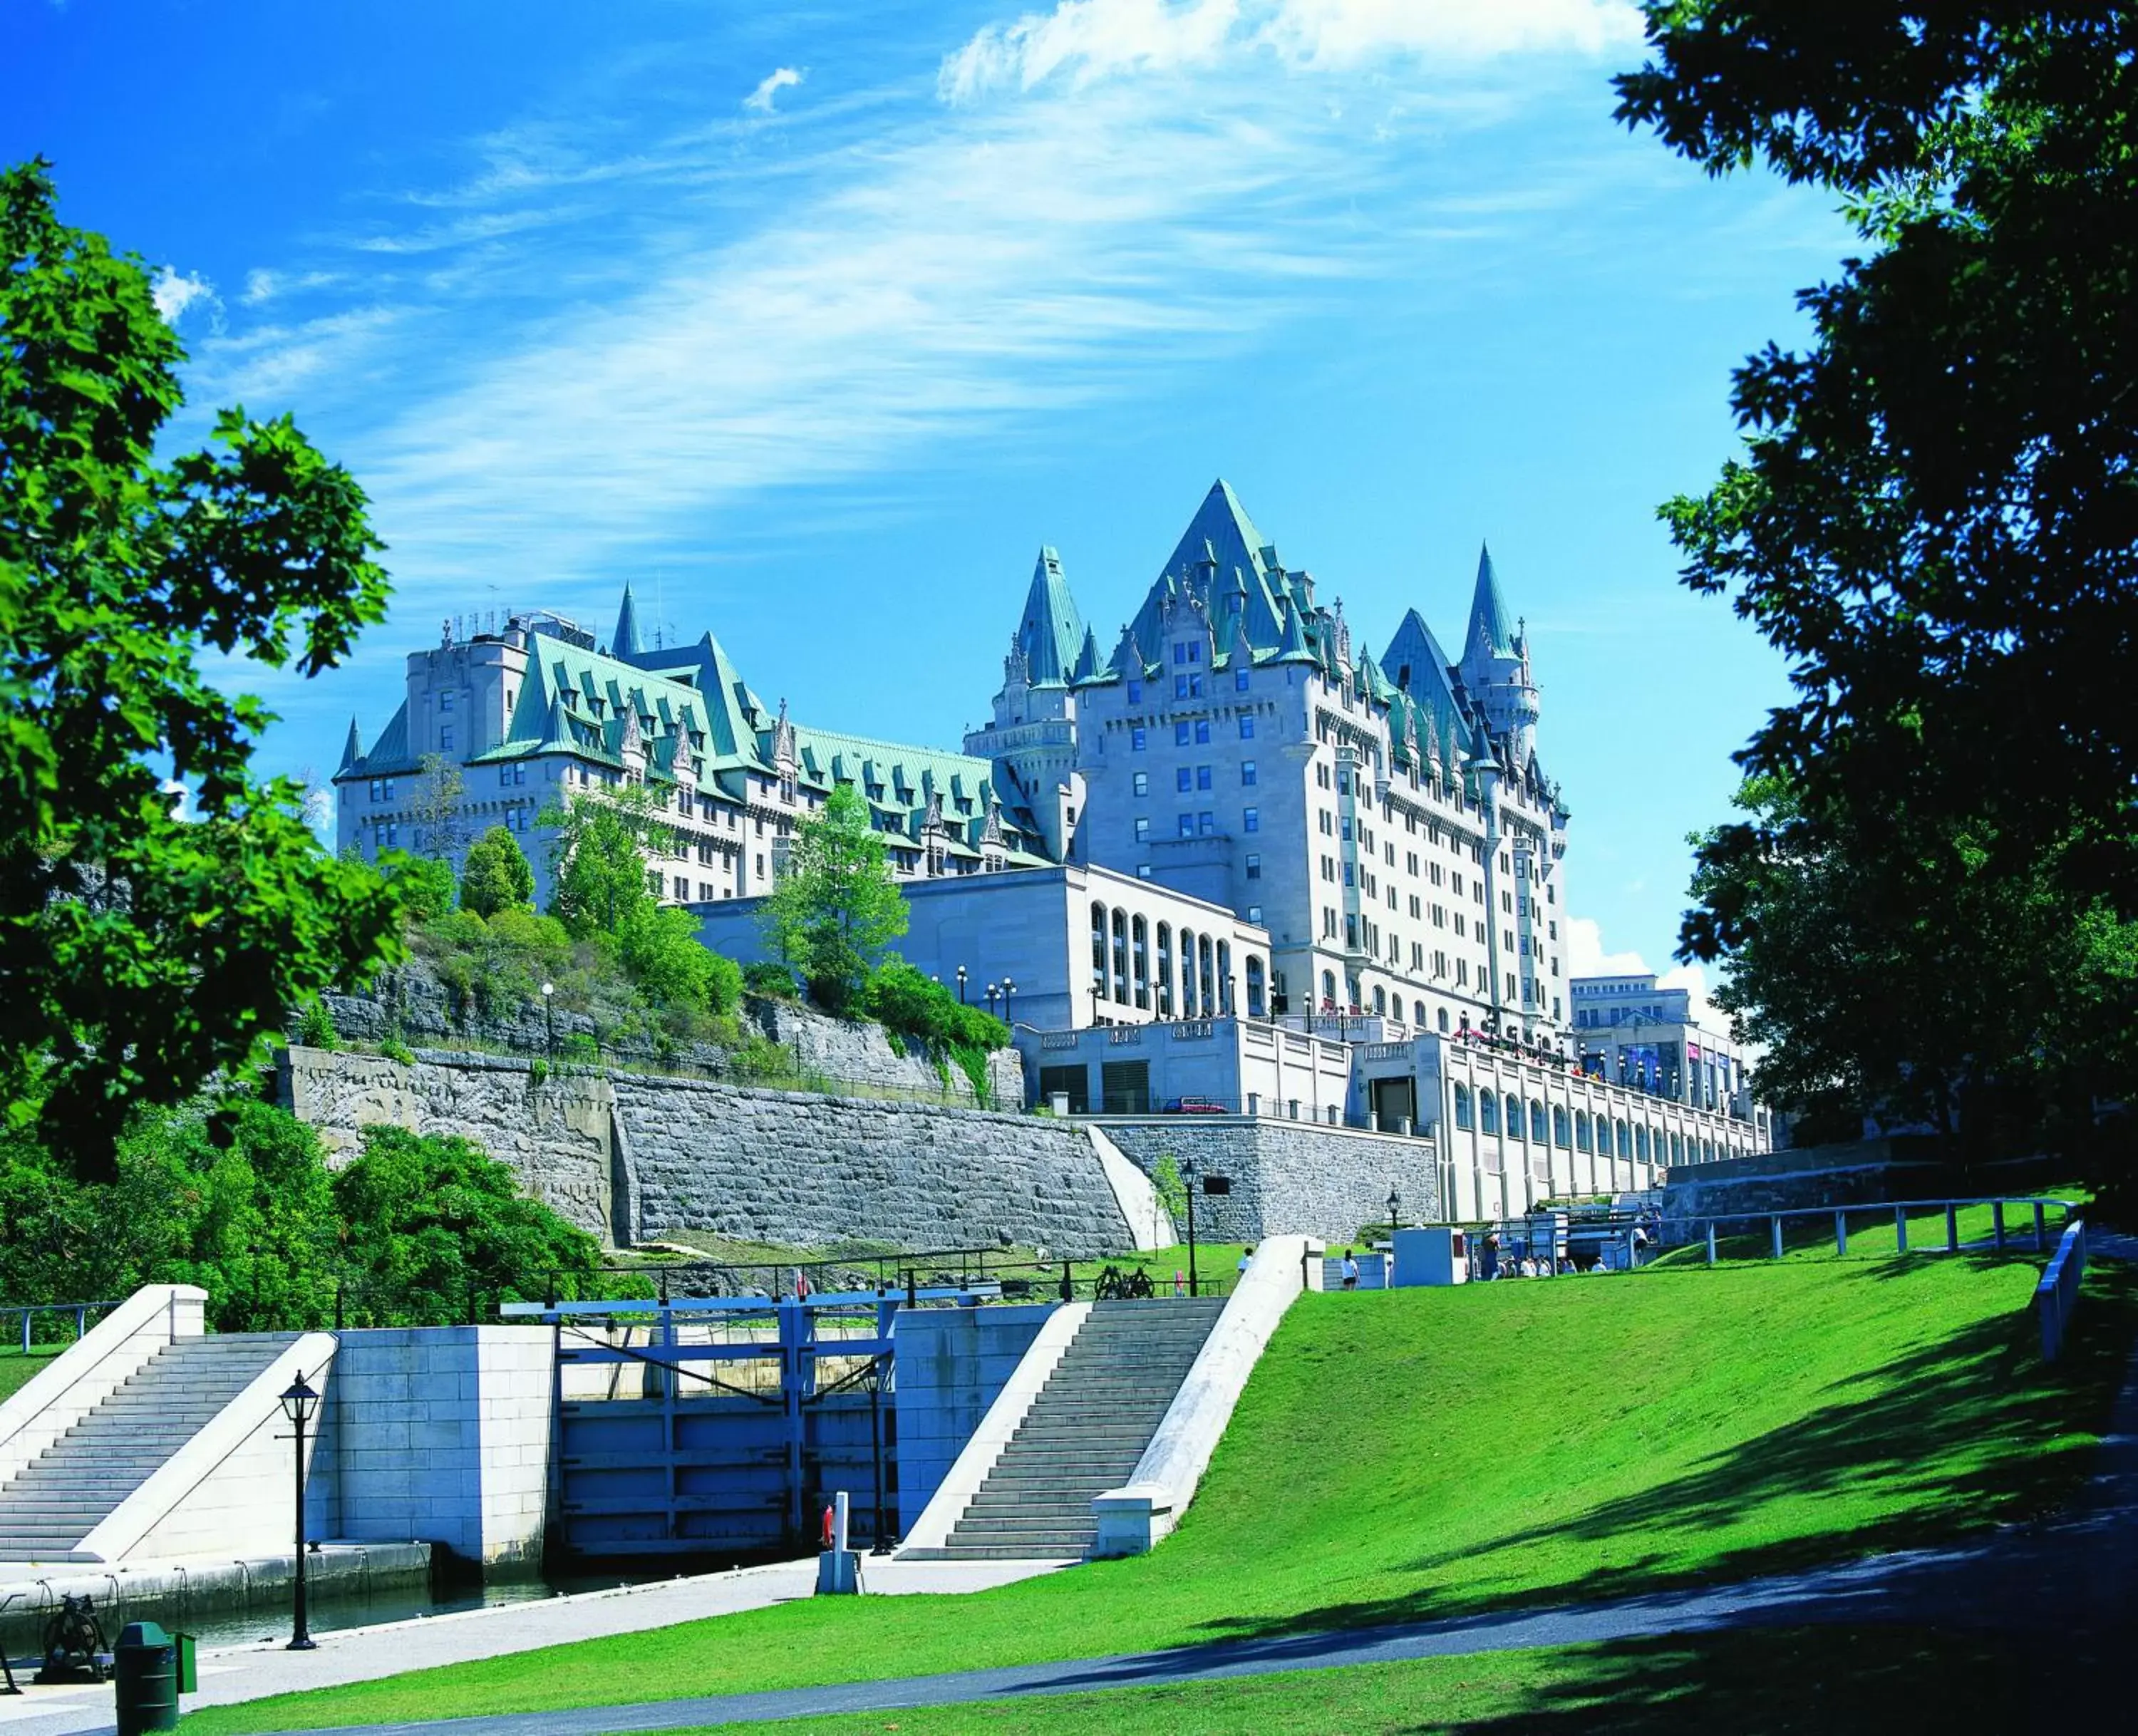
(1559, 1134)
(1139, 959)
(1463, 1115)
(1443, 1021)
(1255, 997)
(1188, 974)
(1208, 987)
(1099, 950)
(1488, 1112)
(1121, 957)
(1581, 1129)
(1328, 992)
(1537, 1122)
(1625, 1141)
(1707, 1151)
(1380, 1003)
(1166, 970)
(1514, 1107)
(1641, 1143)
(1225, 978)
(1417, 1014)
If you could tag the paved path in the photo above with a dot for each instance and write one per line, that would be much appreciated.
(364, 1654)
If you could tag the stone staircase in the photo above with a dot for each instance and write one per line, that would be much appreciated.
(59, 1497)
(1084, 1432)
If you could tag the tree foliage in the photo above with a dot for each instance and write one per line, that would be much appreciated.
(1935, 517)
(436, 809)
(497, 874)
(902, 998)
(234, 1195)
(143, 951)
(598, 878)
(836, 908)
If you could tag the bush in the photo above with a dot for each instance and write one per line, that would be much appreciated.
(723, 986)
(425, 884)
(393, 1049)
(769, 977)
(316, 1030)
(581, 1045)
(902, 998)
(658, 946)
(496, 875)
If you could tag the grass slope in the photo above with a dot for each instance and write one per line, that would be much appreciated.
(18, 1370)
(1426, 1453)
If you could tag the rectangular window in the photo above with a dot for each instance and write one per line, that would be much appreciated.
(1182, 732)
(1250, 819)
(1142, 830)
(1254, 866)
(1136, 693)
(1195, 650)
(682, 891)
(1246, 728)
(1240, 680)
(1247, 772)
(1203, 731)
(1183, 778)
(1203, 777)
(1137, 740)
(446, 702)
(1188, 826)
(1180, 652)
(1140, 783)
(445, 739)
(1206, 823)
(1254, 913)
(1143, 870)
(1180, 687)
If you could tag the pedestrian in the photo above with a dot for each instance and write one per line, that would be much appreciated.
(1179, 1282)
(1246, 1255)
(1350, 1270)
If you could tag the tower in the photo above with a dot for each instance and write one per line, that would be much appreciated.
(1496, 669)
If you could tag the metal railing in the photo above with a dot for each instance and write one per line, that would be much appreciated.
(30, 1311)
(2002, 1236)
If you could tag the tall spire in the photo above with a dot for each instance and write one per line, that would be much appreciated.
(1050, 632)
(352, 749)
(625, 643)
(1489, 632)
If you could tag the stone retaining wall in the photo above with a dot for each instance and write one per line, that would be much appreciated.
(1287, 1177)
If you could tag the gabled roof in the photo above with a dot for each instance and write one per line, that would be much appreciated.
(1051, 633)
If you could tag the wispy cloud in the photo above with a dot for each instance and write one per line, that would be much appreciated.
(1586, 956)
(771, 85)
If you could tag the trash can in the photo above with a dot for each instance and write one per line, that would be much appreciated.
(145, 1667)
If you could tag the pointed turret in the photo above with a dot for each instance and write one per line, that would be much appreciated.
(352, 750)
(1489, 634)
(1088, 667)
(1051, 631)
(1293, 647)
(625, 643)
(1496, 668)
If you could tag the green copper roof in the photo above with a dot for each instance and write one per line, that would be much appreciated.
(1489, 629)
(389, 756)
(625, 643)
(1051, 633)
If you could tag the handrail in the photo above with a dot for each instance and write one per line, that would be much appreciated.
(81, 1311)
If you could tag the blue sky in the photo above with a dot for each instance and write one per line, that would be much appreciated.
(815, 322)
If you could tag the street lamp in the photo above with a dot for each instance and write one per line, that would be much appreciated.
(300, 1404)
(1187, 1175)
(1395, 1201)
(993, 991)
(961, 985)
(1009, 988)
(549, 1019)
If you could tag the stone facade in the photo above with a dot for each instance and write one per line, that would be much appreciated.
(1287, 1177)
(1868, 1172)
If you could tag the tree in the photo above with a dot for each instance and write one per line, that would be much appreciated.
(1933, 517)
(143, 951)
(659, 947)
(497, 874)
(599, 877)
(1900, 970)
(424, 883)
(835, 907)
(431, 1221)
(435, 810)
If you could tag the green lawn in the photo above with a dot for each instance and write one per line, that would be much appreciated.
(16, 1370)
(1424, 1453)
(1836, 1682)
(1872, 1234)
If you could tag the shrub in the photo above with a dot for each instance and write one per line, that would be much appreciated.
(393, 1049)
(723, 986)
(581, 1045)
(659, 947)
(316, 1030)
(770, 977)
(902, 998)
(496, 875)
(424, 883)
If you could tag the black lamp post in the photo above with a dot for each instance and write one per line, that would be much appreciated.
(994, 992)
(549, 1019)
(961, 985)
(1395, 1202)
(1009, 988)
(1187, 1175)
(300, 1404)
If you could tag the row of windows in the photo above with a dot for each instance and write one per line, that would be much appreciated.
(1127, 969)
(1527, 1122)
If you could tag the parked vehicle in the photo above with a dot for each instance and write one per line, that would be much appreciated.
(1195, 1106)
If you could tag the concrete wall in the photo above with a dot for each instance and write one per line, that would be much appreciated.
(440, 1434)
(1868, 1172)
(1287, 1177)
(952, 1363)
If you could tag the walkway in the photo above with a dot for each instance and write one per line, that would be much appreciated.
(364, 1654)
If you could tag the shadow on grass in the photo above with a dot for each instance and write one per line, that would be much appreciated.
(1980, 1398)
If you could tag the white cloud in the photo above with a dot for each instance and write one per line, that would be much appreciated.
(771, 85)
(181, 799)
(174, 292)
(1585, 956)
(1083, 41)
